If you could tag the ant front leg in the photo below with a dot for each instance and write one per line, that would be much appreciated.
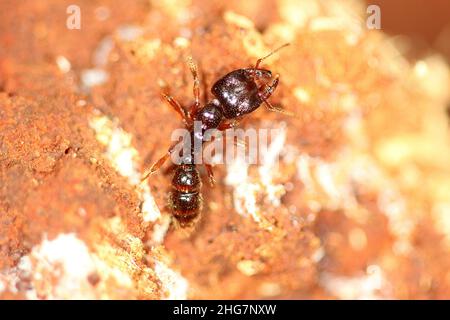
(196, 87)
(205, 87)
(224, 125)
(266, 91)
(176, 105)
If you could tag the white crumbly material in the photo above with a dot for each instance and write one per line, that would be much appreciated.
(124, 158)
(174, 284)
(373, 285)
(60, 269)
(63, 64)
(246, 190)
(93, 77)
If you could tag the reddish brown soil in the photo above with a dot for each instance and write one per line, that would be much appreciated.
(56, 179)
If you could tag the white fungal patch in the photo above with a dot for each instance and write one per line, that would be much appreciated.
(56, 269)
(325, 182)
(2, 284)
(60, 269)
(119, 149)
(160, 229)
(67, 250)
(63, 64)
(304, 172)
(400, 224)
(93, 77)
(10, 278)
(124, 158)
(332, 185)
(318, 255)
(269, 168)
(335, 15)
(238, 20)
(69, 258)
(324, 173)
(129, 32)
(441, 213)
(302, 95)
(246, 190)
(173, 283)
(371, 286)
(101, 53)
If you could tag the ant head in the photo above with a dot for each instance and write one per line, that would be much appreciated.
(239, 92)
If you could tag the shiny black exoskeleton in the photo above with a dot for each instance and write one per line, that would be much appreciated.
(185, 199)
(236, 94)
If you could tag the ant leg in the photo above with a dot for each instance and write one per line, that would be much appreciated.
(158, 164)
(178, 108)
(165, 93)
(196, 88)
(227, 125)
(205, 88)
(209, 170)
(171, 167)
(266, 91)
(270, 107)
(239, 142)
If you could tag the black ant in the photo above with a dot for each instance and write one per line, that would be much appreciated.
(236, 94)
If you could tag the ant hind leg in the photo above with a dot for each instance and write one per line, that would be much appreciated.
(209, 170)
(158, 164)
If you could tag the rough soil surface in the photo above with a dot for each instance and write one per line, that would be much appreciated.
(357, 207)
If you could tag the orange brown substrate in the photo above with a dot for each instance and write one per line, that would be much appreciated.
(356, 209)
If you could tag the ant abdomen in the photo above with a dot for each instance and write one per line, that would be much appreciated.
(186, 179)
(185, 200)
(185, 207)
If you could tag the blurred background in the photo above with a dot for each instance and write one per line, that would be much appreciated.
(425, 24)
(358, 208)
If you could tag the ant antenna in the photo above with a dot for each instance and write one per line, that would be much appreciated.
(258, 62)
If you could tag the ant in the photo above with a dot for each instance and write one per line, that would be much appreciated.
(235, 95)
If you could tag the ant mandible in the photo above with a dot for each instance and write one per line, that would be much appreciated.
(236, 94)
